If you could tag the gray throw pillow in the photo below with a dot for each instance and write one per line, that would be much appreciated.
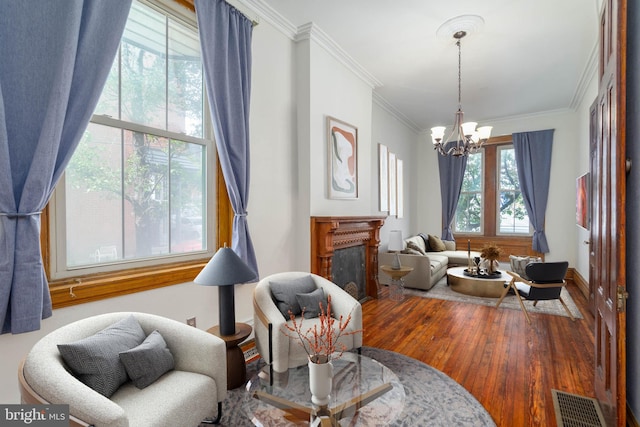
(95, 360)
(311, 303)
(148, 361)
(284, 293)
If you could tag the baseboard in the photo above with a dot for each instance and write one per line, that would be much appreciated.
(580, 281)
(631, 419)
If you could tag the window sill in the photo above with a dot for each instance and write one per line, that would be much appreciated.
(82, 289)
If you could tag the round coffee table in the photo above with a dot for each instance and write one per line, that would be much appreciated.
(475, 286)
(364, 393)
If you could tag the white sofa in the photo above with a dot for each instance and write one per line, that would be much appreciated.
(428, 269)
(184, 396)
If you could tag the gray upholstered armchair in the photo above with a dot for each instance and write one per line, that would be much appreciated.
(185, 396)
(269, 320)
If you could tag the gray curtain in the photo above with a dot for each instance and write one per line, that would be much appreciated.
(451, 174)
(533, 157)
(55, 56)
(225, 41)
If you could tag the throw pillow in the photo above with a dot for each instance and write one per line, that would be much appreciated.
(284, 293)
(411, 245)
(518, 264)
(427, 246)
(148, 361)
(449, 245)
(411, 252)
(311, 303)
(95, 360)
(436, 243)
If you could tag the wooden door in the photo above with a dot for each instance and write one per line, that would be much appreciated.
(608, 226)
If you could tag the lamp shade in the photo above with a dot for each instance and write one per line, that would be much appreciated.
(225, 268)
(395, 240)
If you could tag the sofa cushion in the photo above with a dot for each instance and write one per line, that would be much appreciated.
(310, 302)
(284, 293)
(436, 243)
(148, 361)
(95, 360)
(410, 251)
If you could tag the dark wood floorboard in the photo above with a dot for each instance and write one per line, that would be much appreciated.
(509, 366)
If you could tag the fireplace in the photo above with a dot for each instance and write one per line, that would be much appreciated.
(345, 251)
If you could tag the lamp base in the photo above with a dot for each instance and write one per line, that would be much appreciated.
(396, 262)
(226, 310)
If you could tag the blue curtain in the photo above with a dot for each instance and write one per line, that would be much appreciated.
(225, 41)
(533, 157)
(55, 56)
(451, 174)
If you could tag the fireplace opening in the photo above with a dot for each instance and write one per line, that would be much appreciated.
(348, 271)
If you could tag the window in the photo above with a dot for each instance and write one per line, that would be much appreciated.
(469, 212)
(513, 217)
(490, 201)
(135, 194)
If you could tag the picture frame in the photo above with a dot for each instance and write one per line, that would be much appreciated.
(393, 201)
(342, 142)
(383, 171)
(583, 201)
(399, 189)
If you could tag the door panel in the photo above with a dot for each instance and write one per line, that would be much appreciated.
(608, 240)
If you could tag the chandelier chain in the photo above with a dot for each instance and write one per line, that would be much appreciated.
(459, 75)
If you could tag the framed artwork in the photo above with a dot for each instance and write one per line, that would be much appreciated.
(392, 185)
(383, 167)
(399, 190)
(582, 201)
(343, 159)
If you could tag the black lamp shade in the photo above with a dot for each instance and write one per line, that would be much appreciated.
(226, 269)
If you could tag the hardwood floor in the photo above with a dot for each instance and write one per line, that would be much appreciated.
(509, 366)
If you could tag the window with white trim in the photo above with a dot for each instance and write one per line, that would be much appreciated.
(470, 209)
(512, 215)
(136, 190)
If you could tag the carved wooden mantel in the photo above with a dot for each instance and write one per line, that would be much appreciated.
(329, 233)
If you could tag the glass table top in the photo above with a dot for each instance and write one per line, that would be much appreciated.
(364, 393)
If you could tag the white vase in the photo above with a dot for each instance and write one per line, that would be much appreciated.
(320, 379)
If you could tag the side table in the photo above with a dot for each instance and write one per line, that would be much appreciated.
(396, 289)
(236, 367)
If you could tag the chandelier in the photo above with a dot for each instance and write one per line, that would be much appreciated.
(464, 138)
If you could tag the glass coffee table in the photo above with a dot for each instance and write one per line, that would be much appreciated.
(364, 393)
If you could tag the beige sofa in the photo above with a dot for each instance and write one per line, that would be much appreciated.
(428, 269)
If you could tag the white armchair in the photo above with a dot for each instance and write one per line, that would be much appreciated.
(286, 352)
(188, 394)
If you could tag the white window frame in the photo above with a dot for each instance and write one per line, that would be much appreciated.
(57, 218)
(499, 190)
(482, 193)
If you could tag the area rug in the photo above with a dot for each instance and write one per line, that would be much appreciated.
(442, 291)
(431, 397)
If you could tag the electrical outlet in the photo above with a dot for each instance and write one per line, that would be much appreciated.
(191, 321)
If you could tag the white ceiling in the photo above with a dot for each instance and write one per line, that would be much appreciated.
(531, 56)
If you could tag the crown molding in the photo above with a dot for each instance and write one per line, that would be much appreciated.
(271, 16)
(389, 108)
(589, 71)
(311, 31)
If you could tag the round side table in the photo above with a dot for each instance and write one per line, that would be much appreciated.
(396, 289)
(236, 367)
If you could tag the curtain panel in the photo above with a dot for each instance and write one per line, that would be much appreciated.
(225, 41)
(54, 60)
(451, 170)
(533, 157)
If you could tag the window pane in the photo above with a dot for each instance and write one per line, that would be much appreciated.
(109, 99)
(513, 218)
(469, 211)
(185, 107)
(188, 228)
(143, 68)
(94, 198)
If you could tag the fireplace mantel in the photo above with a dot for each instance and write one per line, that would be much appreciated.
(329, 233)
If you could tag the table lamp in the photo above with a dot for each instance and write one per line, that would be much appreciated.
(396, 244)
(225, 269)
